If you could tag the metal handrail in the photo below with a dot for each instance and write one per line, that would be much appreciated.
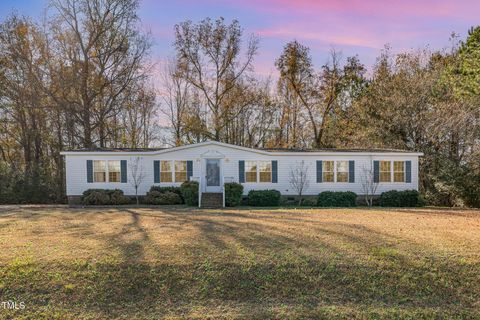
(223, 191)
(200, 191)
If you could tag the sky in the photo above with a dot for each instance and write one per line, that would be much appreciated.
(352, 27)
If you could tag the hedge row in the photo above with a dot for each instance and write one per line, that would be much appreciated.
(187, 193)
(337, 199)
(104, 197)
(407, 198)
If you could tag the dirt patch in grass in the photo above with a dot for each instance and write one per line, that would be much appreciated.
(149, 263)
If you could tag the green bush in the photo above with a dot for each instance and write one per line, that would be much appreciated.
(407, 198)
(104, 197)
(117, 197)
(264, 198)
(190, 192)
(233, 194)
(95, 197)
(309, 202)
(167, 189)
(337, 199)
(162, 198)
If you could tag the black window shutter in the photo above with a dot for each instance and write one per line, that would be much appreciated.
(408, 171)
(156, 171)
(274, 171)
(189, 169)
(319, 171)
(376, 171)
(123, 171)
(89, 171)
(351, 171)
(241, 171)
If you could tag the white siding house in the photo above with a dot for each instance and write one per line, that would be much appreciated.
(212, 163)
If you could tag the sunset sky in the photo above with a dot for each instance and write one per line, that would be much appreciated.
(350, 26)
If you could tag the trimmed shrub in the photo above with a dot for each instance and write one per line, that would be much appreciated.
(264, 198)
(167, 189)
(162, 198)
(117, 197)
(337, 199)
(233, 194)
(104, 197)
(190, 192)
(309, 202)
(407, 198)
(95, 197)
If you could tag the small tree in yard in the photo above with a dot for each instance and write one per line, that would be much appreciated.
(369, 186)
(137, 174)
(299, 179)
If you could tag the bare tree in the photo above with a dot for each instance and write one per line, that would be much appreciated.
(299, 179)
(176, 96)
(101, 44)
(209, 56)
(137, 174)
(369, 186)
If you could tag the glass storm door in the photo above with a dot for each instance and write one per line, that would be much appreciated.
(212, 167)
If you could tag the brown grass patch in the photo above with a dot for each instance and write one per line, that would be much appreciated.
(278, 263)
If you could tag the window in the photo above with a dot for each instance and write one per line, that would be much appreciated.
(165, 171)
(114, 171)
(250, 171)
(342, 171)
(99, 171)
(328, 171)
(180, 171)
(398, 171)
(265, 169)
(385, 171)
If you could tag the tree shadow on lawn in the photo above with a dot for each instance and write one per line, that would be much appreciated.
(250, 260)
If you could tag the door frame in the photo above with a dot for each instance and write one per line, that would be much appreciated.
(220, 165)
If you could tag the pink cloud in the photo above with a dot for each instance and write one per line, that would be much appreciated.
(327, 38)
(385, 8)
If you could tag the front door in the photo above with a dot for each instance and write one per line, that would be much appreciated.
(212, 169)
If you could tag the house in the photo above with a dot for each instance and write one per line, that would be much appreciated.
(212, 163)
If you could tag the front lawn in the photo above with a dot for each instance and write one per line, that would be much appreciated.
(128, 263)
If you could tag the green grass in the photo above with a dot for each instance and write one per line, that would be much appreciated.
(240, 264)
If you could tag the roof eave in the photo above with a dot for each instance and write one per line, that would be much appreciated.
(283, 153)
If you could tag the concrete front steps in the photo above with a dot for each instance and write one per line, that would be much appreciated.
(212, 200)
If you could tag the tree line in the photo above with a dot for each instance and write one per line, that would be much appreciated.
(83, 78)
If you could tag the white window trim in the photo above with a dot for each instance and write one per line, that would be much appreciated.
(258, 171)
(392, 171)
(172, 171)
(107, 172)
(174, 180)
(335, 172)
(404, 171)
